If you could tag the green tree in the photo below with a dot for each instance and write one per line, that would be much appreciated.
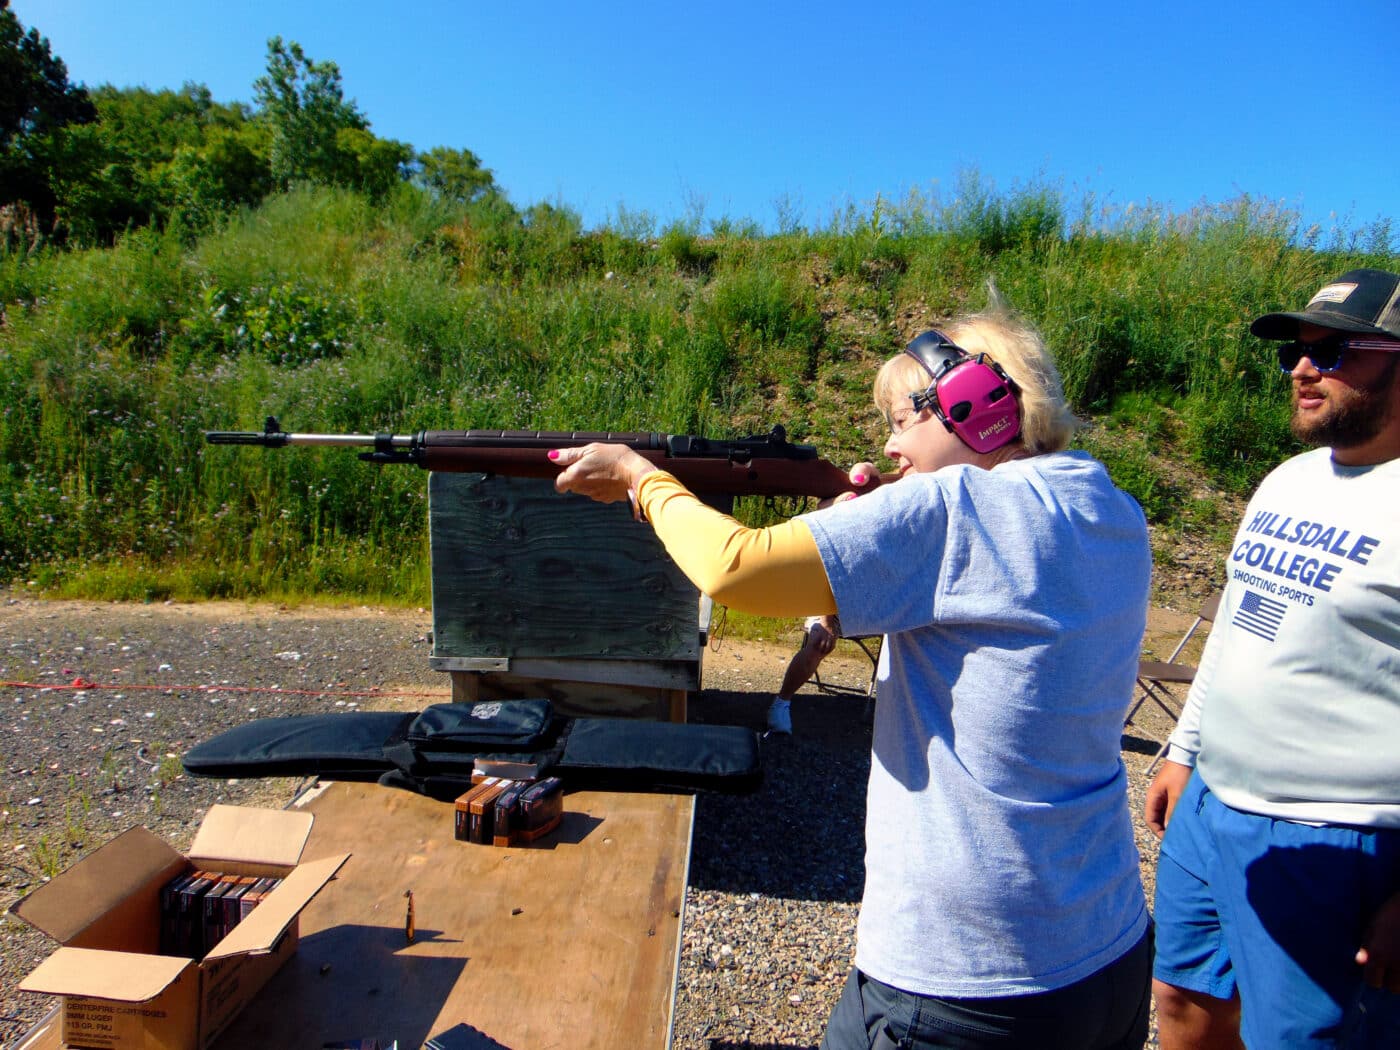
(152, 154)
(304, 106)
(230, 168)
(36, 103)
(455, 174)
(368, 163)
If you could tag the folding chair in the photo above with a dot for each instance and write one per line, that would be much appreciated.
(1155, 676)
(870, 646)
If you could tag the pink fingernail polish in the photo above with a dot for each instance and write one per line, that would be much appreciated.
(859, 479)
(554, 453)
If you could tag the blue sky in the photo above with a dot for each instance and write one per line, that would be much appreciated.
(754, 110)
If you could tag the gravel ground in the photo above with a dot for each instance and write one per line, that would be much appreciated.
(775, 878)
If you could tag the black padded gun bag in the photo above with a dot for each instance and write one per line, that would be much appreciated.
(435, 751)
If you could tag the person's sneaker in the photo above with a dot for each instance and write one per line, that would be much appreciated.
(780, 717)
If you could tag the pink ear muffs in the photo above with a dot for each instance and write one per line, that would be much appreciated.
(972, 396)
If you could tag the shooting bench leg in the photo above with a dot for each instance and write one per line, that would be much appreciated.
(677, 704)
(466, 687)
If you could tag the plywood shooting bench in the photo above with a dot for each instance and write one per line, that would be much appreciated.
(541, 594)
(572, 940)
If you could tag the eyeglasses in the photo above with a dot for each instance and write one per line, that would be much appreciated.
(899, 422)
(1326, 354)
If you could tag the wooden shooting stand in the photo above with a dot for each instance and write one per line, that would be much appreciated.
(537, 594)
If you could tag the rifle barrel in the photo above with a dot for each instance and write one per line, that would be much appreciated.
(276, 439)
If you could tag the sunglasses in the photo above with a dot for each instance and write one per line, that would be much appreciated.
(1326, 354)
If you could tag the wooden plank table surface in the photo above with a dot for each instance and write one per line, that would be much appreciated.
(572, 941)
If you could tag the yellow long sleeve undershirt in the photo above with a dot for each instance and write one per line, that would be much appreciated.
(776, 571)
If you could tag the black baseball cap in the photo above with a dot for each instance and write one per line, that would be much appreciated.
(1363, 301)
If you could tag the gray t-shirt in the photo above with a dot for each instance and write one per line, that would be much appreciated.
(999, 846)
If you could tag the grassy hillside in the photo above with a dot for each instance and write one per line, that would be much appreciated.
(335, 314)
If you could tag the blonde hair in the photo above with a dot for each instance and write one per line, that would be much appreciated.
(1047, 424)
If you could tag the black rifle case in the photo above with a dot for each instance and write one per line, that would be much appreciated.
(434, 752)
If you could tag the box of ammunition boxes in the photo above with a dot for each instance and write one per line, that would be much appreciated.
(161, 949)
(500, 812)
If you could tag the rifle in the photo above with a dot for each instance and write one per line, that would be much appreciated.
(766, 465)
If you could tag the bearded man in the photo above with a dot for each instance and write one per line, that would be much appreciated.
(1278, 885)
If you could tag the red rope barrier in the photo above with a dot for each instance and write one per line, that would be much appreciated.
(82, 685)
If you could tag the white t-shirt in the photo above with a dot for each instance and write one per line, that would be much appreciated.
(1295, 708)
(999, 847)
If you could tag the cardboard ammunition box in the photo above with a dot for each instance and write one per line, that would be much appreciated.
(461, 809)
(170, 898)
(507, 806)
(256, 892)
(117, 992)
(541, 809)
(233, 902)
(483, 812)
(189, 915)
(213, 912)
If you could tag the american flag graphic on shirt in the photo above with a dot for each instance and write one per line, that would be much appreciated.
(1259, 615)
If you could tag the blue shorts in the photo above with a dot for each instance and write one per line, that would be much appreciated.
(1275, 910)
